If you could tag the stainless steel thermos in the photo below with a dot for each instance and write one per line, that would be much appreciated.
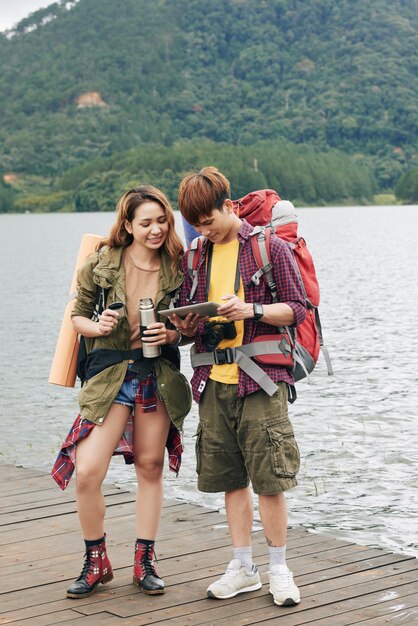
(147, 315)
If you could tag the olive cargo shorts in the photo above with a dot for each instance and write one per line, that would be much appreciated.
(243, 439)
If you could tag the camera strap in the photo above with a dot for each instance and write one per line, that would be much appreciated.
(209, 270)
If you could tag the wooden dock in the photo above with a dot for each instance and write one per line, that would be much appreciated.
(41, 552)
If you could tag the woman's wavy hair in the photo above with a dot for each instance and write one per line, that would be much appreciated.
(126, 207)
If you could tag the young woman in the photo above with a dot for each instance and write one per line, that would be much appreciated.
(135, 406)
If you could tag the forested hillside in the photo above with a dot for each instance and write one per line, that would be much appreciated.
(83, 80)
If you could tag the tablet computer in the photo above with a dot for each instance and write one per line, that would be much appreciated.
(203, 309)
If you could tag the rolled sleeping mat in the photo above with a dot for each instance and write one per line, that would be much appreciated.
(64, 364)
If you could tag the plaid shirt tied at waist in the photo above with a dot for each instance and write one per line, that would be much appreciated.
(64, 465)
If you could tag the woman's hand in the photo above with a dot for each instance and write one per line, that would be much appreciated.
(108, 321)
(158, 334)
(188, 325)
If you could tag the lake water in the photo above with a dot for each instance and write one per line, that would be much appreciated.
(357, 430)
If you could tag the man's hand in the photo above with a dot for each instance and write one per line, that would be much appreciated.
(235, 309)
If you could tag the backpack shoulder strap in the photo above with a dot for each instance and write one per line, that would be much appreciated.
(85, 348)
(100, 304)
(323, 347)
(260, 244)
(193, 261)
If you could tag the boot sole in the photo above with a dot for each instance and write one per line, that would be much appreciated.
(103, 581)
(155, 592)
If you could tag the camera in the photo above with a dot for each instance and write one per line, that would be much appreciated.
(215, 332)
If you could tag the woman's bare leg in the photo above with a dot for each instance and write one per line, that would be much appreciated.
(150, 436)
(93, 456)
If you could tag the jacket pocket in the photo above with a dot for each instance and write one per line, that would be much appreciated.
(174, 390)
(284, 452)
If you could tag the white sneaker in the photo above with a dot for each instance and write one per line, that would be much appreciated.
(282, 587)
(235, 580)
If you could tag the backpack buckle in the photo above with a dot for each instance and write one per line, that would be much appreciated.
(224, 356)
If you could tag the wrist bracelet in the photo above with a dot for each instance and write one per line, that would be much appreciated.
(178, 342)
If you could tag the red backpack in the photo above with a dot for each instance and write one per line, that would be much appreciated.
(265, 210)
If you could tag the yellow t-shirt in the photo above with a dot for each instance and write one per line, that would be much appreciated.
(221, 283)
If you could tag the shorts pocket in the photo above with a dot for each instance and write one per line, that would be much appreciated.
(198, 448)
(284, 452)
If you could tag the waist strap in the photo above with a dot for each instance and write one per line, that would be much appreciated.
(241, 355)
(100, 359)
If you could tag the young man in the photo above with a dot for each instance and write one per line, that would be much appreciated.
(244, 433)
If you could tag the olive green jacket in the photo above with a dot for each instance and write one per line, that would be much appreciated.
(106, 269)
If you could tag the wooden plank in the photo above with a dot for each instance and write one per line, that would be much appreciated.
(53, 508)
(404, 613)
(103, 618)
(99, 602)
(126, 497)
(28, 485)
(41, 509)
(183, 568)
(204, 577)
(71, 618)
(42, 497)
(60, 569)
(46, 619)
(341, 583)
(194, 591)
(53, 547)
(403, 602)
(122, 557)
(9, 472)
(254, 608)
(327, 601)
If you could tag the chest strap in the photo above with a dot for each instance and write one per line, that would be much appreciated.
(241, 355)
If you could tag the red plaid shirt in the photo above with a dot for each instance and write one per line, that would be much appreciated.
(66, 460)
(288, 289)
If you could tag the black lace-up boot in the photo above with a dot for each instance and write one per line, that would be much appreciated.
(96, 569)
(145, 575)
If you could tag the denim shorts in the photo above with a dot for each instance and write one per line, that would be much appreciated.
(128, 392)
(136, 391)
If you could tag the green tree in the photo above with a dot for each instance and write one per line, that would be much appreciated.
(7, 198)
(98, 193)
(407, 188)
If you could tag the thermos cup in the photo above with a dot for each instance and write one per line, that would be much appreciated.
(118, 307)
(147, 315)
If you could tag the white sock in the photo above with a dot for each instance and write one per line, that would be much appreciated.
(245, 556)
(277, 556)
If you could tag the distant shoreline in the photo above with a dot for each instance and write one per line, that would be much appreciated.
(307, 206)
